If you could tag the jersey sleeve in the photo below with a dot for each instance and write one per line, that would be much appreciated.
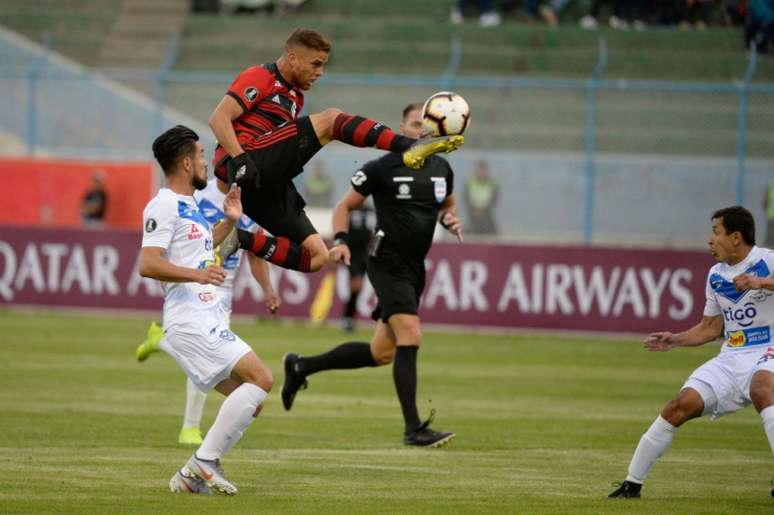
(364, 180)
(449, 180)
(250, 86)
(158, 224)
(711, 305)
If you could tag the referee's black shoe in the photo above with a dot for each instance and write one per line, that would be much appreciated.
(426, 437)
(626, 490)
(293, 382)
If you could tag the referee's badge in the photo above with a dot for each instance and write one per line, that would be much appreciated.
(440, 188)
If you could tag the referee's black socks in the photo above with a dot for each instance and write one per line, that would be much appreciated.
(362, 132)
(346, 355)
(278, 250)
(404, 373)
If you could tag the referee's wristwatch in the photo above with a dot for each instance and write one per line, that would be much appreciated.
(341, 238)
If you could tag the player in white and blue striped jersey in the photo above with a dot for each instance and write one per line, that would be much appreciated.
(740, 309)
(210, 203)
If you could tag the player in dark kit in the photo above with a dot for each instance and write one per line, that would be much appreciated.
(408, 205)
(361, 226)
(262, 144)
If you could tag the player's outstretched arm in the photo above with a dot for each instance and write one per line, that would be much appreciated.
(260, 270)
(709, 329)
(340, 252)
(155, 266)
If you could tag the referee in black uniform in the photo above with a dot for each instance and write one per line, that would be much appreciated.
(408, 205)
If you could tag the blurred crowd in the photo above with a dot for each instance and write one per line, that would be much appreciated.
(621, 14)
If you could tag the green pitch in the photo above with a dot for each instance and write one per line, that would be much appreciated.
(544, 425)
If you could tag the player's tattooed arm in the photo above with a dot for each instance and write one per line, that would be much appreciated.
(709, 329)
(155, 266)
(339, 252)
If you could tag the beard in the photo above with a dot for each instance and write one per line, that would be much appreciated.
(198, 183)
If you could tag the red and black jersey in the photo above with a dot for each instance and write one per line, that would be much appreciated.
(268, 101)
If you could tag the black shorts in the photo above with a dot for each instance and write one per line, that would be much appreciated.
(357, 262)
(280, 210)
(279, 156)
(398, 282)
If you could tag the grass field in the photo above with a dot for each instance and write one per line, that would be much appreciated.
(544, 425)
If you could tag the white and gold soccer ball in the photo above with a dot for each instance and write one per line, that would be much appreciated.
(445, 113)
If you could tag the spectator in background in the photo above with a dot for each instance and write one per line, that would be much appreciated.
(768, 205)
(94, 203)
(318, 187)
(480, 200)
(759, 25)
(489, 16)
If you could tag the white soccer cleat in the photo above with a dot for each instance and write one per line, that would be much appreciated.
(211, 473)
(185, 482)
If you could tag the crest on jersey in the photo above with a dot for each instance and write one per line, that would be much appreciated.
(726, 288)
(251, 93)
(151, 225)
(404, 191)
(359, 178)
(439, 188)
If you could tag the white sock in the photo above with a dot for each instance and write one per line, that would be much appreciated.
(652, 446)
(234, 416)
(194, 405)
(768, 424)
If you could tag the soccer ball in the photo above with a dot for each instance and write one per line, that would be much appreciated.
(445, 113)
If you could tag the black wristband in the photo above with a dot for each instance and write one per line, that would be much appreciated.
(341, 238)
(440, 221)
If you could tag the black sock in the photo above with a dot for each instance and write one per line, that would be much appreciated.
(280, 251)
(346, 355)
(349, 311)
(404, 373)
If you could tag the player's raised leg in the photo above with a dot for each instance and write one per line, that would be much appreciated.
(334, 124)
(246, 391)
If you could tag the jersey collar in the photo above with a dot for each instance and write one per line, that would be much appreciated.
(272, 67)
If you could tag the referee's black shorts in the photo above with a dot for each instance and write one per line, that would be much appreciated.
(398, 281)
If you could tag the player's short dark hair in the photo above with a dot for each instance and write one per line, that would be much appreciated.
(737, 218)
(411, 107)
(173, 145)
(309, 38)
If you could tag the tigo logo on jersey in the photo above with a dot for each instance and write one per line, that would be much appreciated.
(743, 316)
(195, 233)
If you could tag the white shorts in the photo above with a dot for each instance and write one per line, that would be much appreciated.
(724, 381)
(205, 348)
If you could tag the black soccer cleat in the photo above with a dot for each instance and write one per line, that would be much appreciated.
(293, 382)
(626, 490)
(426, 437)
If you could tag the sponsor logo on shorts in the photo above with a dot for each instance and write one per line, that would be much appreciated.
(227, 335)
(251, 93)
(270, 252)
(748, 337)
(206, 296)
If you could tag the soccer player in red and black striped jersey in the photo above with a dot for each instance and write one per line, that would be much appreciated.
(263, 145)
